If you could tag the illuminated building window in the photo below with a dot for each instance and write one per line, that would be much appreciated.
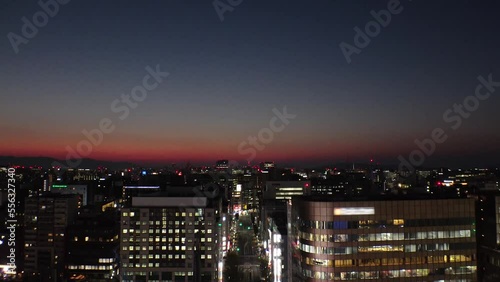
(398, 222)
(459, 258)
(436, 259)
(383, 248)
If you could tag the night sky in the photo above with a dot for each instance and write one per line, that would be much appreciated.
(227, 77)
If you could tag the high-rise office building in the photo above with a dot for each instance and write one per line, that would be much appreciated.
(273, 231)
(93, 246)
(72, 189)
(170, 239)
(346, 184)
(46, 219)
(285, 190)
(488, 234)
(400, 240)
(275, 216)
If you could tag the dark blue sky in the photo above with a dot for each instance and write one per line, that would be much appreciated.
(226, 78)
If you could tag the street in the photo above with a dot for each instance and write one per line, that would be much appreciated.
(246, 245)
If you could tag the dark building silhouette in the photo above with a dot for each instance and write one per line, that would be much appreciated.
(93, 246)
(46, 219)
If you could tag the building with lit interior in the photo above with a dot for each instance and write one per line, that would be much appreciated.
(170, 239)
(275, 247)
(391, 240)
(285, 190)
(92, 250)
(72, 189)
(46, 220)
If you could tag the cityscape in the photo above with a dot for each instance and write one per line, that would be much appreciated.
(250, 223)
(247, 141)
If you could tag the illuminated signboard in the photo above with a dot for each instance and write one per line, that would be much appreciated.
(59, 186)
(141, 187)
(238, 187)
(354, 211)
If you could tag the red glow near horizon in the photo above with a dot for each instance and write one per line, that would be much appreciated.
(158, 149)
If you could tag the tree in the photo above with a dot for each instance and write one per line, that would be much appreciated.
(231, 272)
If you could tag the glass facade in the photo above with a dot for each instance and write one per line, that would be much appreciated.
(426, 240)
